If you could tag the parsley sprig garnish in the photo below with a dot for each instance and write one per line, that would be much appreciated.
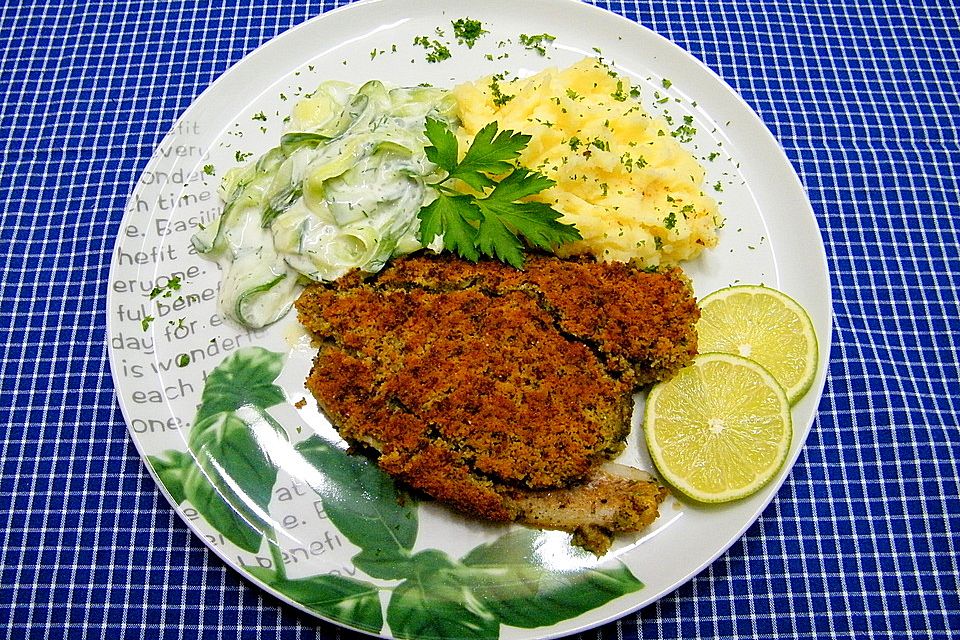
(492, 220)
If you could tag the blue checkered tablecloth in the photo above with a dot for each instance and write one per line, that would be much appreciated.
(861, 542)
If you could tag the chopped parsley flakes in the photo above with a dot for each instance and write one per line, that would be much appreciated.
(436, 50)
(537, 42)
(686, 131)
(499, 97)
(601, 144)
(670, 221)
(468, 31)
(173, 284)
(619, 95)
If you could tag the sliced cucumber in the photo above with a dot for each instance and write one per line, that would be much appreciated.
(340, 191)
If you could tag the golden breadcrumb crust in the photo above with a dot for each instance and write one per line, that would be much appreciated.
(478, 381)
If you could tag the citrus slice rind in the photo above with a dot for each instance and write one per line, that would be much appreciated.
(766, 326)
(720, 429)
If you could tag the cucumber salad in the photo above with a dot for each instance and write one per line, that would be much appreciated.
(341, 191)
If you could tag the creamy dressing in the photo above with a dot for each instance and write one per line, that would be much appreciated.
(341, 191)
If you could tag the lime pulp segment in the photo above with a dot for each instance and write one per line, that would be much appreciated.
(764, 325)
(720, 429)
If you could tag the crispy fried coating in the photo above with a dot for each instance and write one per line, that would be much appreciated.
(484, 386)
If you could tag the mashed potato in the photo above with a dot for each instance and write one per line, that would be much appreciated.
(626, 183)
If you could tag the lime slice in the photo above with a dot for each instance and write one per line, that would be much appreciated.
(766, 326)
(720, 429)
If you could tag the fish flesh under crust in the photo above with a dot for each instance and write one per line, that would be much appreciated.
(503, 393)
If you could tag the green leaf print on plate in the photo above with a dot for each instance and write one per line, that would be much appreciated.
(500, 583)
(232, 480)
(363, 503)
(228, 476)
(348, 601)
(245, 379)
(172, 468)
(437, 602)
(507, 576)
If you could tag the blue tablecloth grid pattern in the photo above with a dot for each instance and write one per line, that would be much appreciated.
(861, 541)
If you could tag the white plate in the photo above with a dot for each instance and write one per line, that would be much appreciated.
(770, 237)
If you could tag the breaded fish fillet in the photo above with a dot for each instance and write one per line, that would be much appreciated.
(503, 392)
